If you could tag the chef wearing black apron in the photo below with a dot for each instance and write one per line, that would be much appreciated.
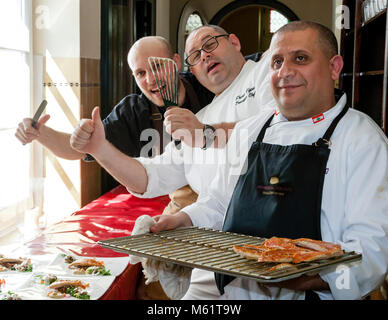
(281, 192)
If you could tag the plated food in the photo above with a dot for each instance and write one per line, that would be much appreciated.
(61, 288)
(15, 264)
(53, 276)
(289, 252)
(89, 266)
(11, 296)
(49, 279)
(68, 258)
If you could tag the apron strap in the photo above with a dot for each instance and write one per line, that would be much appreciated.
(157, 121)
(333, 125)
(325, 140)
(262, 132)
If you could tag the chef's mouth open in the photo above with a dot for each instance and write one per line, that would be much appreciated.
(212, 66)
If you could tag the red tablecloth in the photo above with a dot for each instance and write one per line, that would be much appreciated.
(110, 216)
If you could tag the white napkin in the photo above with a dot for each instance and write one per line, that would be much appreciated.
(174, 279)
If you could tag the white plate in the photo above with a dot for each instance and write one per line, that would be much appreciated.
(33, 289)
(27, 284)
(58, 266)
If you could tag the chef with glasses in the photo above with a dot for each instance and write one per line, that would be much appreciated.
(215, 59)
(242, 90)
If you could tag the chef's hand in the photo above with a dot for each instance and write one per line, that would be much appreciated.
(168, 222)
(303, 283)
(88, 134)
(26, 133)
(183, 125)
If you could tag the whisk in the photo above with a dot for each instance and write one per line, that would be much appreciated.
(165, 72)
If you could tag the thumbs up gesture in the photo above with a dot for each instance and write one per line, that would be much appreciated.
(89, 134)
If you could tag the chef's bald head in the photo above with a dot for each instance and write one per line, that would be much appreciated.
(326, 38)
(156, 44)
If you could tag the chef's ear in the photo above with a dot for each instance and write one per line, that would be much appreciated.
(235, 41)
(336, 65)
(177, 60)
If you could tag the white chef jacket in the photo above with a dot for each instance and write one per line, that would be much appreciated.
(248, 94)
(354, 209)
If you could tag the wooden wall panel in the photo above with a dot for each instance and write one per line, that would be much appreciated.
(90, 97)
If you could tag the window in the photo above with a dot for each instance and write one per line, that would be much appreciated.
(15, 195)
(277, 20)
(194, 21)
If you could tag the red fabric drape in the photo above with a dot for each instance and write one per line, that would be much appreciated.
(112, 215)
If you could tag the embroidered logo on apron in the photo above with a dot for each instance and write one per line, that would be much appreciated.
(273, 189)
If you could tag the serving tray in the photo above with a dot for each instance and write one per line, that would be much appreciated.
(212, 250)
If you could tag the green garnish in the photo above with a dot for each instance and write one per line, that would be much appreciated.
(106, 272)
(73, 291)
(29, 269)
(99, 271)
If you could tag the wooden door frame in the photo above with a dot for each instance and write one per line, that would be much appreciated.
(280, 7)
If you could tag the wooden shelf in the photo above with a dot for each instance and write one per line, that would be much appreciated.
(371, 20)
(372, 73)
(364, 73)
(365, 50)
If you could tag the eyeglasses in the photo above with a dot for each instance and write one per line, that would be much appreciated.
(210, 45)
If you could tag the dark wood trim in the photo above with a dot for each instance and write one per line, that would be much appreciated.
(122, 23)
(116, 80)
(374, 18)
(365, 79)
(385, 80)
(283, 9)
(356, 55)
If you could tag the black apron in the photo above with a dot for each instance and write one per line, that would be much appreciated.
(281, 192)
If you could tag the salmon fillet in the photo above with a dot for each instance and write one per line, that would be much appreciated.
(285, 250)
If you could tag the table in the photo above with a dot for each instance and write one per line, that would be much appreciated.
(110, 216)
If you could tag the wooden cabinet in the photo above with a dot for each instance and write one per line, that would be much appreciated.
(365, 50)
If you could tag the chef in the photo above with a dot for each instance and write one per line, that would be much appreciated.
(241, 89)
(315, 168)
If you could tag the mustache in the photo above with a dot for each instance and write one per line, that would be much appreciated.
(210, 60)
(290, 83)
